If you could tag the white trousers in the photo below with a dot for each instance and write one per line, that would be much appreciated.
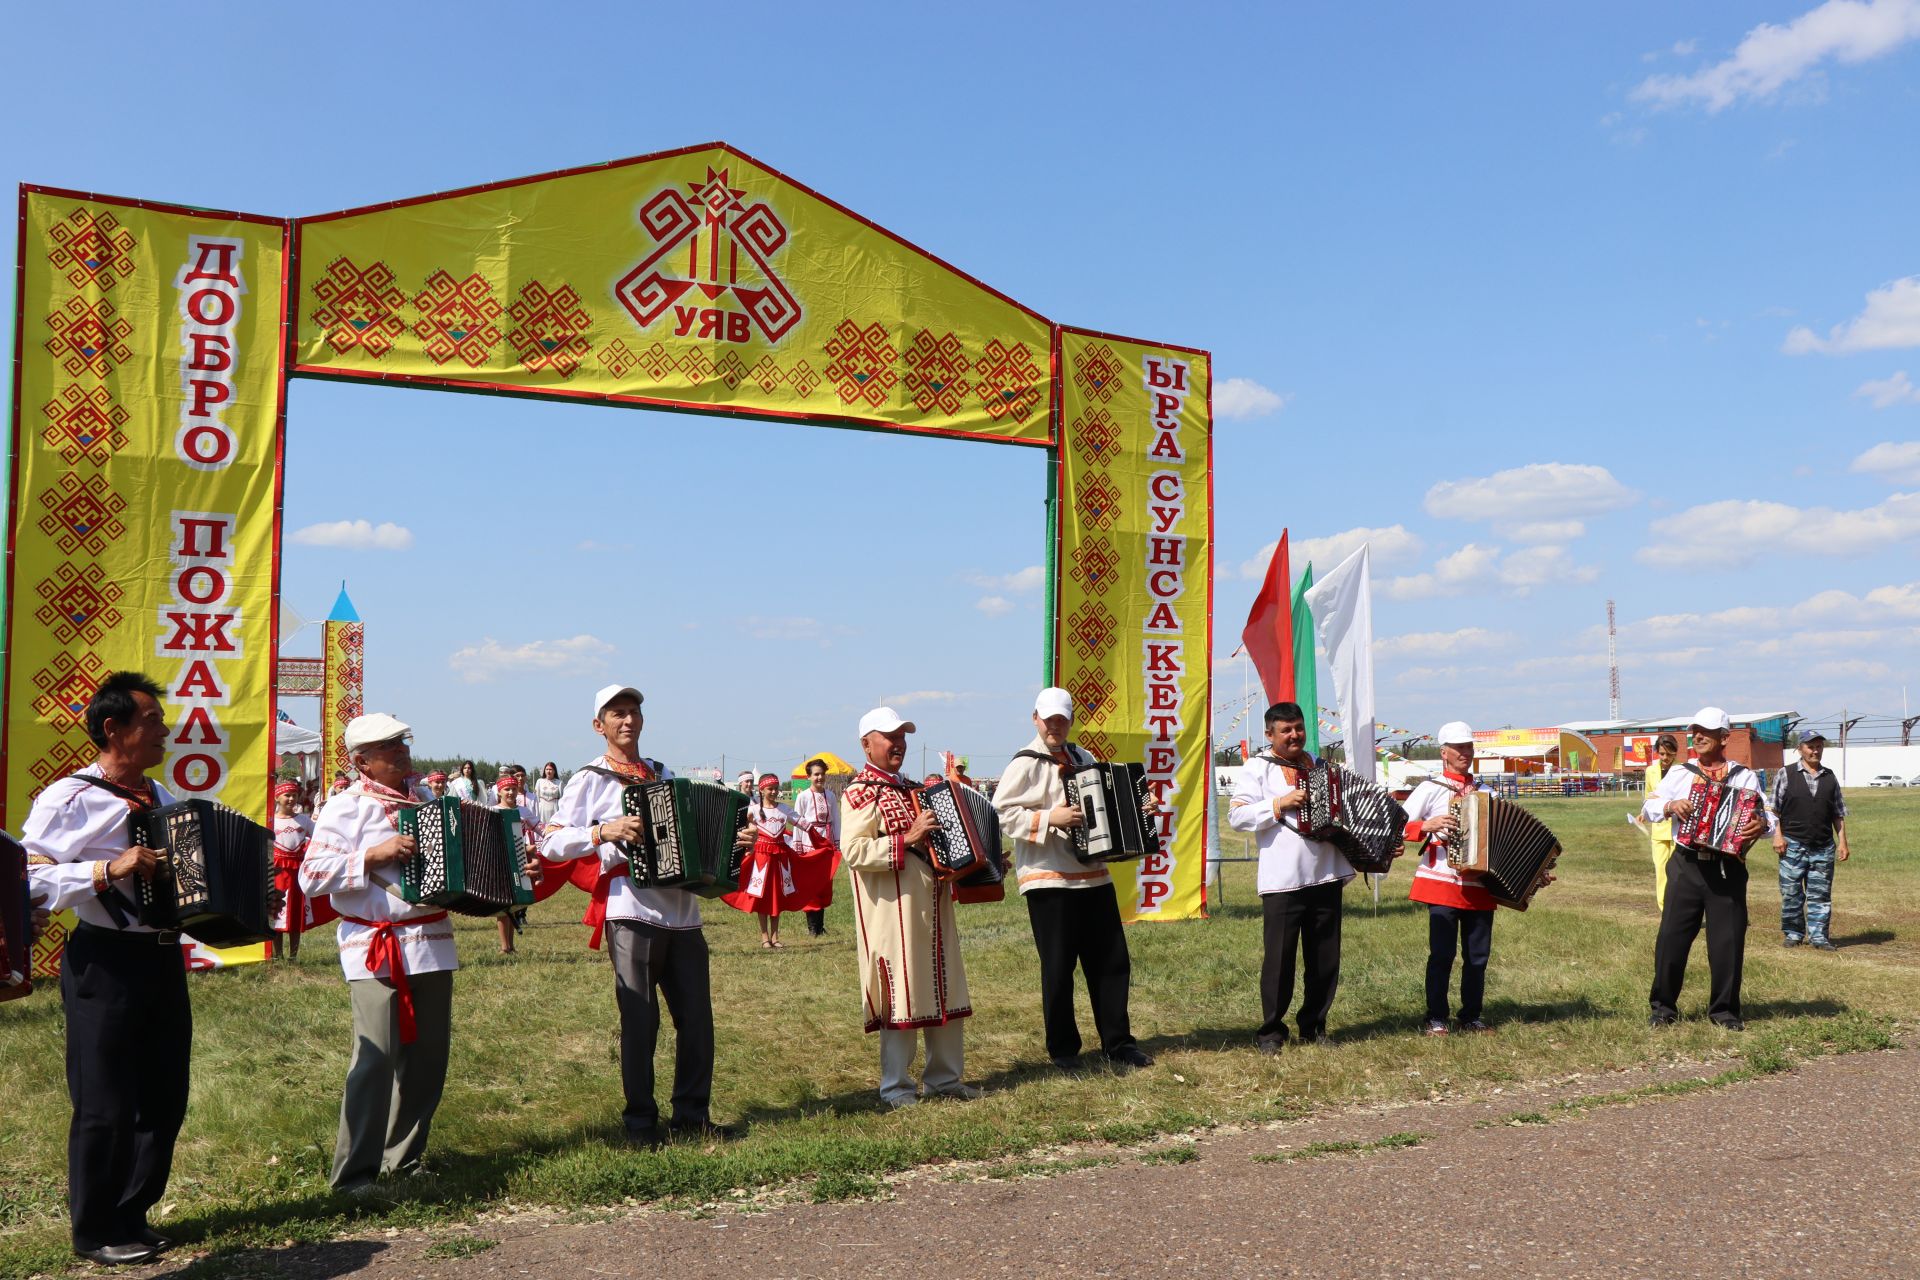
(946, 1055)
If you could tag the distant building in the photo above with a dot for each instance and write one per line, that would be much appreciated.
(1553, 749)
(1759, 739)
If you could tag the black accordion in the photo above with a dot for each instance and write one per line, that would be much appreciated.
(1719, 815)
(1510, 850)
(215, 868)
(1110, 798)
(966, 837)
(467, 858)
(689, 838)
(16, 922)
(1359, 818)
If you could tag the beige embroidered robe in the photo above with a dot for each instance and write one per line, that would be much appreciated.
(911, 973)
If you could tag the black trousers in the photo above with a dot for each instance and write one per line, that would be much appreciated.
(1081, 927)
(817, 923)
(1717, 891)
(651, 964)
(1472, 931)
(1308, 921)
(129, 1037)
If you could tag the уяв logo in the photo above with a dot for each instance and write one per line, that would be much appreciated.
(710, 239)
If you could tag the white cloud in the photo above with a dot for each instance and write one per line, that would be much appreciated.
(1738, 532)
(1439, 643)
(1772, 57)
(760, 627)
(1895, 461)
(1890, 319)
(1391, 545)
(1537, 491)
(355, 535)
(1239, 398)
(489, 660)
(1888, 392)
(994, 606)
(1878, 614)
(1543, 531)
(1022, 581)
(1476, 568)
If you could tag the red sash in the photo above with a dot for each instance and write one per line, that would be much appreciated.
(384, 951)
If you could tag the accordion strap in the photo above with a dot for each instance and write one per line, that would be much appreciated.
(652, 767)
(139, 802)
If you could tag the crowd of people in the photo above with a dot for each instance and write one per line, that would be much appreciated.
(129, 1022)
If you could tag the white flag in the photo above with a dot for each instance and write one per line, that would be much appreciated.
(1342, 604)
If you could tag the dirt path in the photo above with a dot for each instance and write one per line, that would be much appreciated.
(1813, 1172)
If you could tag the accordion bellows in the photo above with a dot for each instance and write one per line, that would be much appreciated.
(1110, 799)
(1511, 851)
(1719, 814)
(1359, 818)
(16, 922)
(968, 835)
(466, 858)
(216, 865)
(688, 841)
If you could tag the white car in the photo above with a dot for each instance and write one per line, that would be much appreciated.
(1887, 780)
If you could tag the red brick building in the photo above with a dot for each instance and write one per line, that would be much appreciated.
(1758, 740)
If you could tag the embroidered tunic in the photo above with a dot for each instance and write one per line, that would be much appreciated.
(74, 824)
(911, 973)
(351, 823)
(592, 798)
(1043, 855)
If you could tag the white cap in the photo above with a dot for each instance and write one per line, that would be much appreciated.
(1454, 732)
(608, 694)
(1711, 718)
(1053, 702)
(885, 720)
(364, 731)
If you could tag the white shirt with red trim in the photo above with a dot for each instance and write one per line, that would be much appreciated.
(816, 811)
(592, 798)
(350, 824)
(72, 825)
(1435, 882)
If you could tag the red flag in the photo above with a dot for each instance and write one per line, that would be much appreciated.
(1268, 635)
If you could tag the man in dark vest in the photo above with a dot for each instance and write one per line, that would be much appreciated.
(1813, 824)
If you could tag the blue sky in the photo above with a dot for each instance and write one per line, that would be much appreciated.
(1561, 305)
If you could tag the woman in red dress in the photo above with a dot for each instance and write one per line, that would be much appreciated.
(772, 880)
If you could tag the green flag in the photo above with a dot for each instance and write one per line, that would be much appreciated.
(1306, 678)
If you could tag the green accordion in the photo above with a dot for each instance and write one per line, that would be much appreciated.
(688, 842)
(466, 858)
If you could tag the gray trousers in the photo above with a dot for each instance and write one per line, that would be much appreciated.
(392, 1088)
(649, 964)
(946, 1059)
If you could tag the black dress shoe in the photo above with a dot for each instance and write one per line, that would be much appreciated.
(1068, 1064)
(117, 1255)
(704, 1130)
(1131, 1056)
(647, 1139)
(1658, 1021)
(1730, 1024)
(153, 1239)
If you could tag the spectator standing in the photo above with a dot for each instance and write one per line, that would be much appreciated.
(1812, 814)
(467, 786)
(546, 793)
(1666, 749)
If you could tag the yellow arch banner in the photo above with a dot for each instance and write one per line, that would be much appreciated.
(696, 279)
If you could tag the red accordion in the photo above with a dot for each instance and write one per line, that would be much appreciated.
(1719, 814)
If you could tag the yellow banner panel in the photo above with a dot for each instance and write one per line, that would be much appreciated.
(1135, 588)
(690, 279)
(146, 428)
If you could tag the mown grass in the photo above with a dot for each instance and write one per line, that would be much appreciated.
(530, 1116)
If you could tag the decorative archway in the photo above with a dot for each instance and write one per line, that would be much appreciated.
(153, 344)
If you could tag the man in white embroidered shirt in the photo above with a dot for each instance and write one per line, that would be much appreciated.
(654, 934)
(1300, 881)
(398, 958)
(1702, 882)
(129, 1026)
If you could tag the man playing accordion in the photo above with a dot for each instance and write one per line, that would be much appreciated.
(1703, 882)
(1071, 905)
(911, 976)
(1459, 909)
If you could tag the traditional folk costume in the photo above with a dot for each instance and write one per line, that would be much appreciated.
(472, 790)
(129, 1024)
(656, 942)
(1301, 883)
(546, 798)
(298, 912)
(398, 958)
(911, 975)
(778, 875)
(1702, 884)
(1072, 906)
(819, 814)
(1459, 911)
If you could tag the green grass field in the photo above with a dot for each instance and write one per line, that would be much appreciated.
(531, 1114)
